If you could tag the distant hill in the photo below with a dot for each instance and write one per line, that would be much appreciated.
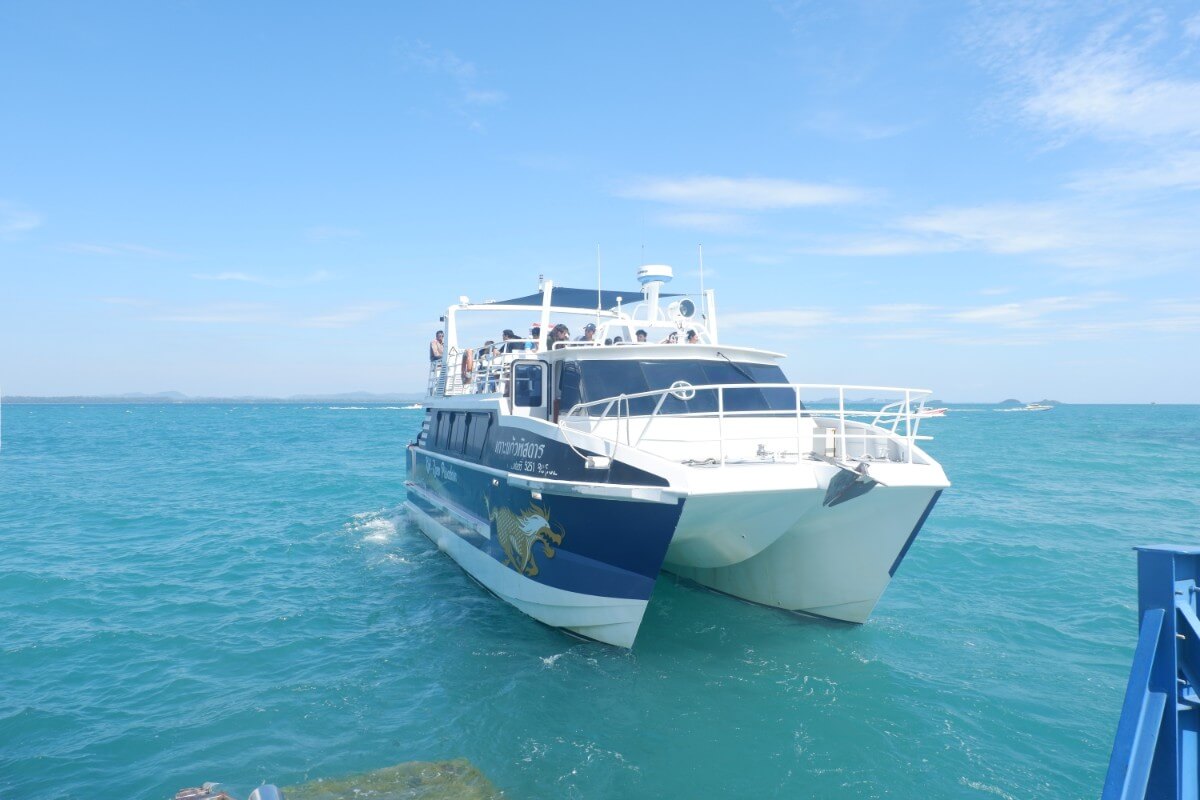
(179, 397)
(1011, 402)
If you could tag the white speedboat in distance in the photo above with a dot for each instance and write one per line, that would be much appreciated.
(565, 475)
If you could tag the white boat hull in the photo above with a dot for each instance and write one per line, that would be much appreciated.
(834, 561)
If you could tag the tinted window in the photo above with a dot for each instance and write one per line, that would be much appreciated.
(603, 379)
(661, 374)
(607, 379)
(569, 385)
(443, 429)
(527, 385)
(477, 434)
(458, 432)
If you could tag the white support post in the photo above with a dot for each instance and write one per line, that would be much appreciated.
(710, 320)
(721, 421)
(796, 389)
(842, 421)
(544, 333)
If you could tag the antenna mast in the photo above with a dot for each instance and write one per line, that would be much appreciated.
(703, 296)
(599, 287)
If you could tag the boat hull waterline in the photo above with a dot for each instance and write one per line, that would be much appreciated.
(589, 564)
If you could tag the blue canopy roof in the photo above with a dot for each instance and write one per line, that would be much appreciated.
(584, 299)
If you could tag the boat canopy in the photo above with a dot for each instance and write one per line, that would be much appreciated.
(583, 299)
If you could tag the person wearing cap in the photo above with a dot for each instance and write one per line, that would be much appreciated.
(641, 336)
(589, 333)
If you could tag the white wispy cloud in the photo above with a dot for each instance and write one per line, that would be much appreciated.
(322, 233)
(15, 221)
(752, 194)
(242, 277)
(136, 302)
(222, 314)
(1177, 170)
(116, 250)
(838, 125)
(893, 245)
(893, 313)
(1095, 237)
(1119, 81)
(711, 221)
(347, 316)
(265, 314)
(468, 94)
(1030, 313)
(1191, 27)
(779, 320)
(1026, 322)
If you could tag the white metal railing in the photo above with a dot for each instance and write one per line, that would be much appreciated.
(847, 430)
(483, 373)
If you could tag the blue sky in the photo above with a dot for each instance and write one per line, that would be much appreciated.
(222, 198)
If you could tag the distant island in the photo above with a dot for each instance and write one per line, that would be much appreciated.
(181, 398)
(1013, 402)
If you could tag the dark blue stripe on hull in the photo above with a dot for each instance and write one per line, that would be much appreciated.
(912, 536)
(597, 546)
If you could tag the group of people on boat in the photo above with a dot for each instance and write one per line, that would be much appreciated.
(475, 365)
(560, 336)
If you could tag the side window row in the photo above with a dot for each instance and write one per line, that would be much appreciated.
(461, 432)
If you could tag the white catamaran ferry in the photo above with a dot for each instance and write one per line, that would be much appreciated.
(564, 475)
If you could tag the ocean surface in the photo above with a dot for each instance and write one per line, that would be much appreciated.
(232, 593)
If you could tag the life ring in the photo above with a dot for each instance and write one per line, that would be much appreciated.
(468, 365)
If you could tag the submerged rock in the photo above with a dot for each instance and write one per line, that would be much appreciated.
(458, 779)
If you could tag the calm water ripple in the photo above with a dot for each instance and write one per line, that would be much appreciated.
(194, 593)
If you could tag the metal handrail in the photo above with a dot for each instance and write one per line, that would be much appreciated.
(1155, 751)
(904, 411)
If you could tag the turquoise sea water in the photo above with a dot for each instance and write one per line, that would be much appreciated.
(192, 593)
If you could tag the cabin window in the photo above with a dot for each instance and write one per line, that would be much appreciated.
(607, 379)
(527, 385)
(443, 430)
(458, 432)
(477, 434)
(569, 386)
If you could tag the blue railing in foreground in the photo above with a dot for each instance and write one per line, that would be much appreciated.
(1156, 754)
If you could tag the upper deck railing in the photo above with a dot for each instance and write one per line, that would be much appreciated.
(841, 433)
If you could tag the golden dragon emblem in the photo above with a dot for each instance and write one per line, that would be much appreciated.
(518, 534)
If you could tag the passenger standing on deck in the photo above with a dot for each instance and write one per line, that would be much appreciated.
(437, 347)
(559, 334)
(535, 333)
(510, 344)
(589, 333)
(641, 336)
(692, 338)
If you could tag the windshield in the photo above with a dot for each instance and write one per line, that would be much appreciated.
(586, 381)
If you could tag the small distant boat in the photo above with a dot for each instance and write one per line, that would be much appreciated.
(412, 407)
(1029, 407)
(925, 413)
